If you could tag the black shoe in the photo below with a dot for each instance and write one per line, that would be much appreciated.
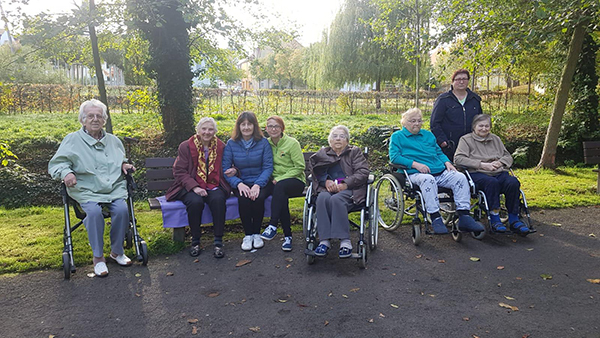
(195, 250)
(218, 252)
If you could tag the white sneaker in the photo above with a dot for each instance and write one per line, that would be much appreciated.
(100, 269)
(257, 242)
(247, 243)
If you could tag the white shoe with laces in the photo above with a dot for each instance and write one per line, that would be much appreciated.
(257, 242)
(247, 243)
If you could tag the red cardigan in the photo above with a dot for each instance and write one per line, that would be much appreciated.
(185, 171)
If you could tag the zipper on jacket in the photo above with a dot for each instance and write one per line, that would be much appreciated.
(465, 119)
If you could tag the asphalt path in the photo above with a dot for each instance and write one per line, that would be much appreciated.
(437, 289)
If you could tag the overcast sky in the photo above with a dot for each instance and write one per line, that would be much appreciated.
(311, 16)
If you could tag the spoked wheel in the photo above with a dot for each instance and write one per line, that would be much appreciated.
(416, 233)
(66, 258)
(144, 252)
(456, 234)
(310, 259)
(128, 239)
(363, 251)
(389, 201)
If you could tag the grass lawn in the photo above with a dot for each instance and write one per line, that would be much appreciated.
(31, 238)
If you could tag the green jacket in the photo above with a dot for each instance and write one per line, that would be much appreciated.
(288, 160)
(96, 165)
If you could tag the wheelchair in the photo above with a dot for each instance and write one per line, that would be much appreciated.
(367, 229)
(132, 236)
(480, 209)
(396, 196)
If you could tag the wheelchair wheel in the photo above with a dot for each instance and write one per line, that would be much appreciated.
(66, 258)
(363, 252)
(389, 201)
(310, 259)
(456, 234)
(128, 238)
(416, 234)
(144, 252)
(372, 230)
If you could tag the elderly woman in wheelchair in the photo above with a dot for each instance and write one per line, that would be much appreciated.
(484, 156)
(339, 176)
(417, 152)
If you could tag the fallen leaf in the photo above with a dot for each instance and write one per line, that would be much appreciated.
(138, 295)
(282, 300)
(381, 315)
(91, 275)
(370, 320)
(518, 278)
(393, 274)
(344, 296)
(196, 260)
(289, 259)
(475, 336)
(51, 336)
(441, 261)
(302, 305)
(475, 259)
(170, 273)
(557, 224)
(499, 285)
(509, 298)
(506, 306)
(213, 294)
(592, 235)
(541, 235)
(525, 335)
(466, 319)
(194, 330)
(394, 306)
(431, 296)
(254, 329)
(529, 249)
(546, 276)
(326, 323)
(287, 266)
(330, 294)
(500, 267)
(354, 290)
(419, 256)
(242, 263)
(138, 274)
(593, 281)
(193, 321)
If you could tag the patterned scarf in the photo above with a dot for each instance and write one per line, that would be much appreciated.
(208, 175)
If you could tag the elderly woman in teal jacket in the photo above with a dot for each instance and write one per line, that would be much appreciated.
(428, 167)
(91, 163)
(250, 153)
(288, 178)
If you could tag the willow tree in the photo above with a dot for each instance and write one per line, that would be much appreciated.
(353, 54)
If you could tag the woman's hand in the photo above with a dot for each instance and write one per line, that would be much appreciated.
(230, 172)
(244, 190)
(342, 187)
(449, 166)
(497, 165)
(127, 166)
(331, 186)
(274, 182)
(199, 191)
(487, 166)
(254, 192)
(422, 168)
(70, 180)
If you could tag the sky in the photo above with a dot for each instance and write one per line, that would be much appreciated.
(311, 16)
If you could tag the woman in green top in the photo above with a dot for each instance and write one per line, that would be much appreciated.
(288, 178)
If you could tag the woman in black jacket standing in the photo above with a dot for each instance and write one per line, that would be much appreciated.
(453, 113)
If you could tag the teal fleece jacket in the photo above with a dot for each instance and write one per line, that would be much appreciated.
(406, 147)
(288, 160)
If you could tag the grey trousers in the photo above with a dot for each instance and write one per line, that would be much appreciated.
(447, 179)
(332, 214)
(94, 224)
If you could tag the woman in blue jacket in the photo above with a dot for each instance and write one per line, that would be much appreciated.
(453, 113)
(249, 152)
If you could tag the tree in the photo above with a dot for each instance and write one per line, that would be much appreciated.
(527, 26)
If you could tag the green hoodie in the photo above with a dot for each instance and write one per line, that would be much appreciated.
(288, 160)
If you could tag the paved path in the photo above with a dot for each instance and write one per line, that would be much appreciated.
(434, 290)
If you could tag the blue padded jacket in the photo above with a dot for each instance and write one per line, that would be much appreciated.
(255, 164)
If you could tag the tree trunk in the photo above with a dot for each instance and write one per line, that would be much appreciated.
(377, 94)
(98, 65)
(562, 95)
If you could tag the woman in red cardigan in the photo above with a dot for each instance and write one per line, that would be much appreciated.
(199, 180)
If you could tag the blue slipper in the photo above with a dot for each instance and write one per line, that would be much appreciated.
(519, 227)
(345, 252)
(321, 250)
(499, 227)
(467, 223)
(439, 228)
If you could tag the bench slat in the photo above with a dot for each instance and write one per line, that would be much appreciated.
(159, 185)
(154, 203)
(159, 174)
(158, 162)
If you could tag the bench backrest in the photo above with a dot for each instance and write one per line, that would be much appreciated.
(591, 152)
(159, 171)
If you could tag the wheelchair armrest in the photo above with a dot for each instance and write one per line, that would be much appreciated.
(398, 166)
(371, 179)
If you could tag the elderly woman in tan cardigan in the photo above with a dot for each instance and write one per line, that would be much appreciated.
(488, 161)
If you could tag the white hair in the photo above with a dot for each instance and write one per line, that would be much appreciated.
(409, 114)
(205, 120)
(343, 128)
(93, 103)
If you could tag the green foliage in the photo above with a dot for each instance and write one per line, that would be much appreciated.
(6, 156)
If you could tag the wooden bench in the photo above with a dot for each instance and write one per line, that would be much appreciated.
(591, 155)
(159, 175)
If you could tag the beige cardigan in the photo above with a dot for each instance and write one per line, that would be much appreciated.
(472, 150)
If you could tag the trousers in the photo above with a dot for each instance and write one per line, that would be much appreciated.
(451, 179)
(280, 209)
(493, 186)
(332, 214)
(194, 205)
(94, 224)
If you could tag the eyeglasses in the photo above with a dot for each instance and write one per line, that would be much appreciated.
(274, 126)
(415, 121)
(338, 136)
(462, 79)
(94, 117)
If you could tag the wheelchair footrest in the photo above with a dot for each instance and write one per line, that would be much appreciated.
(310, 253)
(356, 256)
